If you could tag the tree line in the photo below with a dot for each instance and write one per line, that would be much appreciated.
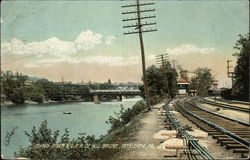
(162, 81)
(17, 88)
(240, 84)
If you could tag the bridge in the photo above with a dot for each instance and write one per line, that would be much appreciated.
(99, 93)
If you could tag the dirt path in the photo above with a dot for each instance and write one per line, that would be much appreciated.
(142, 145)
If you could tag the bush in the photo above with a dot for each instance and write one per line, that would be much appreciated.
(37, 97)
(125, 116)
(46, 145)
(156, 99)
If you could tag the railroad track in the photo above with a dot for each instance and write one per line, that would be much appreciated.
(229, 133)
(189, 140)
(232, 101)
(246, 110)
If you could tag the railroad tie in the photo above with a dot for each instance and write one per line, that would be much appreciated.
(228, 142)
(215, 136)
(240, 150)
(230, 146)
(219, 139)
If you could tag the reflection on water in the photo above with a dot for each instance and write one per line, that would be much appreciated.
(85, 117)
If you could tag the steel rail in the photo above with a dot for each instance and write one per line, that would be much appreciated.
(190, 140)
(216, 114)
(226, 132)
(233, 101)
(226, 106)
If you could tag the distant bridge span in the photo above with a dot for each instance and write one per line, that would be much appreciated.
(116, 92)
(96, 94)
(104, 92)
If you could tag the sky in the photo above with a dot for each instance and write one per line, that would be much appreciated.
(84, 41)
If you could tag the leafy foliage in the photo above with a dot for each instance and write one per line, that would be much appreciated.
(36, 94)
(161, 83)
(242, 68)
(204, 80)
(183, 73)
(9, 135)
(12, 86)
(124, 116)
(45, 144)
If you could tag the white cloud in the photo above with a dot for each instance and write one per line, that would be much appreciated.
(187, 49)
(52, 46)
(107, 60)
(30, 65)
(109, 39)
(87, 40)
(103, 60)
(151, 57)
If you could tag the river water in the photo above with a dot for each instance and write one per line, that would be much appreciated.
(85, 117)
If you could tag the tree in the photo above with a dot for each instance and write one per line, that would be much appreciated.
(36, 94)
(242, 68)
(204, 80)
(161, 81)
(183, 73)
(12, 86)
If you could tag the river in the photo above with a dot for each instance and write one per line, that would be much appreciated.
(85, 117)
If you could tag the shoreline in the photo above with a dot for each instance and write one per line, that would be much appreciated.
(29, 102)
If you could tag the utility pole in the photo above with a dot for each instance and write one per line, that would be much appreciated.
(163, 61)
(173, 63)
(230, 74)
(62, 80)
(138, 29)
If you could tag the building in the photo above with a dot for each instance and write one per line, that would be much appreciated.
(183, 87)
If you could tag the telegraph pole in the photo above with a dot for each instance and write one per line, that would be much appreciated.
(163, 61)
(62, 80)
(174, 63)
(230, 74)
(138, 29)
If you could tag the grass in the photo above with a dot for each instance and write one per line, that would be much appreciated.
(119, 136)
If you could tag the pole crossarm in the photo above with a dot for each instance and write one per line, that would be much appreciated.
(135, 5)
(136, 18)
(132, 12)
(151, 30)
(137, 25)
(140, 30)
(160, 58)
(162, 55)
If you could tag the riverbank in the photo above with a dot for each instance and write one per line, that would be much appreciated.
(9, 103)
(30, 102)
(134, 140)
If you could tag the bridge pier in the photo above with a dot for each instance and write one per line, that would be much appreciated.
(119, 98)
(96, 99)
